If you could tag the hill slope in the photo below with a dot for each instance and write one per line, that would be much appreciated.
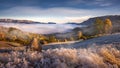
(109, 39)
(114, 18)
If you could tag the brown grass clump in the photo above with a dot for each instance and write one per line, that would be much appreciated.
(110, 55)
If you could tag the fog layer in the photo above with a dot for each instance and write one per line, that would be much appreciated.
(41, 28)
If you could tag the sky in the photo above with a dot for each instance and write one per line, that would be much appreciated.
(59, 11)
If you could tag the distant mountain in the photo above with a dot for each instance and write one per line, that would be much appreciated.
(114, 18)
(16, 21)
(51, 23)
(23, 21)
(72, 23)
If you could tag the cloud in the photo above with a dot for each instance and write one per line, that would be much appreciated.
(59, 3)
(56, 14)
(106, 4)
(77, 19)
(74, 2)
(102, 3)
(42, 12)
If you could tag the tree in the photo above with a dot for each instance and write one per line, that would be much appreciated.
(65, 40)
(79, 34)
(107, 25)
(14, 38)
(43, 41)
(2, 36)
(52, 39)
(35, 45)
(103, 27)
(71, 39)
(99, 26)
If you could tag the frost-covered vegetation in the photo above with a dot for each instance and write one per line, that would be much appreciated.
(92, 57)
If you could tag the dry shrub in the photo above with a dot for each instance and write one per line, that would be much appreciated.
(88, 58)
(35, 46)
(110, 55)
(63, 56)
(94, 57)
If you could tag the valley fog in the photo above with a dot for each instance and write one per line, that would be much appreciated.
(41, 28)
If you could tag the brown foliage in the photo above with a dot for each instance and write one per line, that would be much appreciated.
(35, 45)
(103, 27)
(110, 55)
(107, 26)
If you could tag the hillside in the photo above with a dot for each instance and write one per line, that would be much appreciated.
(108, 39)
(90, 29)
(23, 21)
(16, 21)
(114, 18)
(15, 35)
(99, 52)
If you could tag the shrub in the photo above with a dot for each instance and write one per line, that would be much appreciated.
(52, 39)
(35, 46)
(93, 57)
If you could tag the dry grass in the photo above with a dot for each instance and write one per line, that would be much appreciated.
(9, 44)
(110, 55)
(94, 57)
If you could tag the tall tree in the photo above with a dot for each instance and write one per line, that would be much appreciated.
(99, 26)
(79, 34)
(107, 25)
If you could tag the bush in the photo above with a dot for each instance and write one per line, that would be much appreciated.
(52, 39)
(35, 45)
(12, 28)
(93, 57)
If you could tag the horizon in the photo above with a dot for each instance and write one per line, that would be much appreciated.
(55, 22)
(58, 11)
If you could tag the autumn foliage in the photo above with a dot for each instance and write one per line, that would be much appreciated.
(107, 26)
(35, 45)
(103, 26)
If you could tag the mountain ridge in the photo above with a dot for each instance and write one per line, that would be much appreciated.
(113, 18)
(5, 20)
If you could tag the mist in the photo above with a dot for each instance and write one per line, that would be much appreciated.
(41, 28)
